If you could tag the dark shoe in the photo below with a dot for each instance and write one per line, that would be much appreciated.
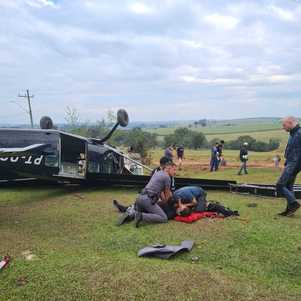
(125, 218)
(283, 213)
(138, 218)
(119, 207)
(292, 208)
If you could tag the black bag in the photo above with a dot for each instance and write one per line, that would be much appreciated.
(219, 208)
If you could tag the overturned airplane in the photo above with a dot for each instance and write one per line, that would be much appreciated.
(46, 154)
(52, 155)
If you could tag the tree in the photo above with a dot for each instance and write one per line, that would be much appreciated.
(186, 137)
(72, 117)
(198, 140)
(140, 141)
(253, 144)
(110, 118)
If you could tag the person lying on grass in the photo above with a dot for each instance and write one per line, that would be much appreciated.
(184, 201)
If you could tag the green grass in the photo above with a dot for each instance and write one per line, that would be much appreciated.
(82, 255)
(224, 129)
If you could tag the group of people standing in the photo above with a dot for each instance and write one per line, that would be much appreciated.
(216, 155)
(217, 158)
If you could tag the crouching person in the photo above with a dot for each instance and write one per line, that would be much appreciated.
(157, 189)
(193, 197)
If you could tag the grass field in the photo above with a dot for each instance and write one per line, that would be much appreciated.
(261, 132)
(65, 244)
(79, 253)
(224, 129)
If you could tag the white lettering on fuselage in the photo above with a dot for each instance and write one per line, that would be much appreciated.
(28, 161)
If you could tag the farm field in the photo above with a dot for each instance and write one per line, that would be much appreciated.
(224, 129)
(261, 132)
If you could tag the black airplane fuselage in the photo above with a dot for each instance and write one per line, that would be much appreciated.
(54, 155)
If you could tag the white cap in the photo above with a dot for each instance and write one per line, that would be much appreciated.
(246, 143)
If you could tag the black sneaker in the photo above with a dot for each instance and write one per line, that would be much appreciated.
(284, 213)
(125, 218)
(138, 218)
(119, 207)
(292, 208)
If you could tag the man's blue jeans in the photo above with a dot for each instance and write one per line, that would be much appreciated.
(213, 164)
(285, 184)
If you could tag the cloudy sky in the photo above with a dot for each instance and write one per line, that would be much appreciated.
(161, 60)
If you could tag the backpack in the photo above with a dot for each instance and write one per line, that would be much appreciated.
(221, 209)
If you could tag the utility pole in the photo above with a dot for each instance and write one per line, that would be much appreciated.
(29, 105)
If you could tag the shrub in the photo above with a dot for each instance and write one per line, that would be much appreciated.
(186, 137)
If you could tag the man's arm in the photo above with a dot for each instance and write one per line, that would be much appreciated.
(166, 194)
(298, 165)
(192, 204)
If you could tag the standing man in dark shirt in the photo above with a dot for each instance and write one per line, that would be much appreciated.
(214, 157)
(292, 166)
(180, 155)
(220, 148)
(244, 157)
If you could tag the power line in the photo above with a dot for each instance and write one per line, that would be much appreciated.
(29, 105)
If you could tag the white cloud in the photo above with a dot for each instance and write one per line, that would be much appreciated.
(221, 21)
(141, 8)
(211, 81)
(100, 54)
(41, 3)
(282, 14)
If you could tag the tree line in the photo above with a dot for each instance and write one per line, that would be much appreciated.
(141, 141)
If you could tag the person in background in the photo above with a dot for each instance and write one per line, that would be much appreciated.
(180, 155)
(220, 149)
(276, 161)
(168, 153)
(214, 157)
(292, 165)
(244, 157)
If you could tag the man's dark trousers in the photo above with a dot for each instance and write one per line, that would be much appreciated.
(285, 184)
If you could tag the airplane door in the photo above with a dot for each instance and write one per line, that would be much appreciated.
(73, 157)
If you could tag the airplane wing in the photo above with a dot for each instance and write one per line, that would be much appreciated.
(17, 151)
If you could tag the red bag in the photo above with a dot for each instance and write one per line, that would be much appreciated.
(194, 216)
(4, 262)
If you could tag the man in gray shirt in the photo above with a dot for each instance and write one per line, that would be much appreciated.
(168, 153)
(158, 188)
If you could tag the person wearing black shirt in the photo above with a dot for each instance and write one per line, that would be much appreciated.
(243, 156)
(292, 165)
(180, 155)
